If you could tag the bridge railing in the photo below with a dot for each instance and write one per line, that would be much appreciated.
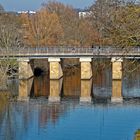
(69, 51)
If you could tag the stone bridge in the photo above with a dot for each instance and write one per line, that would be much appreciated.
(71, 52)
(85, 55)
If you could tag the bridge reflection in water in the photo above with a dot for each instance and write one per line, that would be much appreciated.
(69, 120)
(103, 85)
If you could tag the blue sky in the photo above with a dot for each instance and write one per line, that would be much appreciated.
(18, 5)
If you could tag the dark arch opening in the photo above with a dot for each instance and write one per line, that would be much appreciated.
(38, 72)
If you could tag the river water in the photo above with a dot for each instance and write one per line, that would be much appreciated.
(71, 120)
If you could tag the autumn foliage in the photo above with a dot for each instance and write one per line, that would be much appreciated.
(42, 28)
(108, 22)
(111, 22)
(56, 24)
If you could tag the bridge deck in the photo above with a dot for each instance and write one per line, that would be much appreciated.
(69, 52)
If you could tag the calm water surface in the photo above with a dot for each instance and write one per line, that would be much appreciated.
(69, 121)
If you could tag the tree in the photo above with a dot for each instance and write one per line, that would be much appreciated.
(10, 39)
(68, 19)
(101, 16)
(85, 33)
(125, 31)
(113, 21)
(77, 32)
(42, 28)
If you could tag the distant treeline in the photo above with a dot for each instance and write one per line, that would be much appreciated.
(106, 22)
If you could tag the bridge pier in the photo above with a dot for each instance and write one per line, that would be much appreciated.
(86, 74)
(55, 68)
(86, 86)
(55, 74)
(116, 80)
(86, 68)
(25, 79)
(55, 90)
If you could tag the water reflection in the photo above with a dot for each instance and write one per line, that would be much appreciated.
(69, 121)
(3, 101)
(137, 135)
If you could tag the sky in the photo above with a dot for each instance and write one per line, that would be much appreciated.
(19, 5)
